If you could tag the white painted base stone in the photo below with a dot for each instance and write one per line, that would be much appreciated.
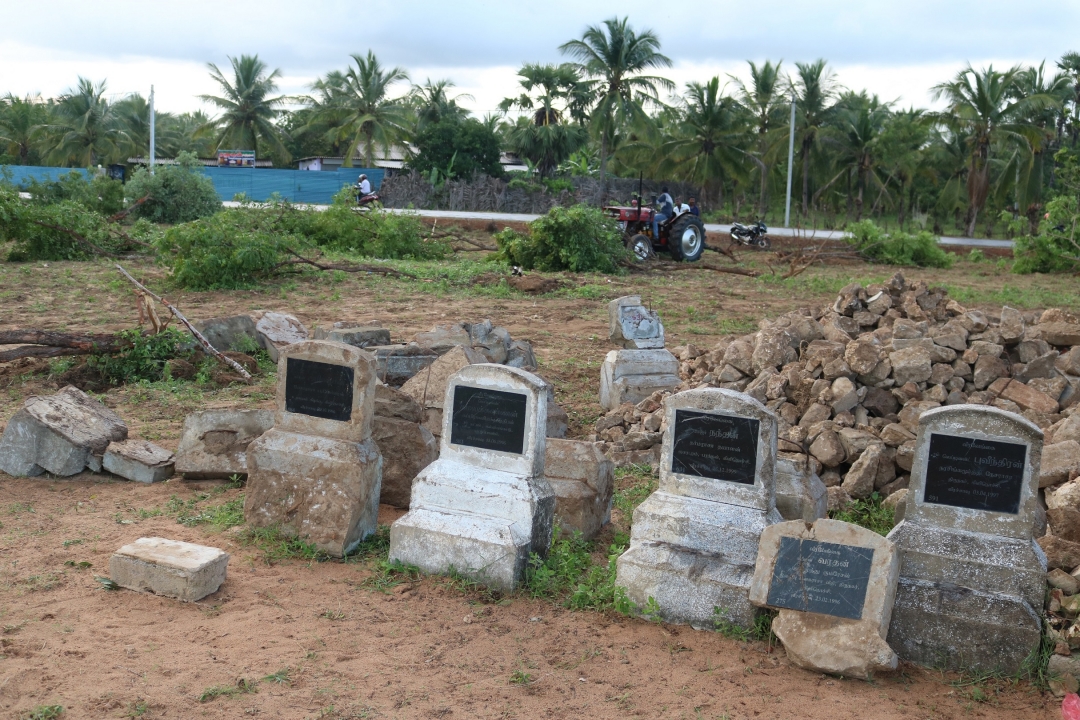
(172, 568)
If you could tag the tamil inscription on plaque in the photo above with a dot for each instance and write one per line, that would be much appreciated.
(974, 473)
(721, 447)
(821, 577)
(488, 419)
(322, 390)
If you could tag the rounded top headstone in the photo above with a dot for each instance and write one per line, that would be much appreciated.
(719, 445)
(326, 389)
(976, 469)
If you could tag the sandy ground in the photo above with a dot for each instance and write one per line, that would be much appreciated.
(420, 649)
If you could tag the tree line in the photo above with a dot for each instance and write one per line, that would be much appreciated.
(995, 148)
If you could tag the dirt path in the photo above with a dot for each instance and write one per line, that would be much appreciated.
(424, 649)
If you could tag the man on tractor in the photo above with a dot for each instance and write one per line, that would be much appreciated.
(664, 212)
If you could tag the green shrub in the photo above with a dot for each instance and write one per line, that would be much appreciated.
(870, 513)
(456, 148)
(580, 239)
(178, 193)
(231, 249)
(1057, 246)
(99, 193)
(143, 360)
(64, 230)
(898, 248)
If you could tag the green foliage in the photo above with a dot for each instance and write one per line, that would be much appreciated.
(1056, 248)
(44, 712)
(628, 497)
(219, 517)
(569, 574)
(898, 248)
(870, 513)
(178, 193)
(243, 686)
(761, 630)
(459, 148)
(143, 359)
(64, 230)
(100, 193)
(277, 544)
(579, 239)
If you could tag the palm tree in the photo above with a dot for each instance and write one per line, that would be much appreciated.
(763, 98)
(433, 104)
(814, 87)
(982, 105)
(249, 109)
(544, 137)
(86, 131)
(19, 122)
(356, 106)
(1070, 64)
(858, 121)
(613, 57)
(1033, 82)
(133, 113)
(708, 144)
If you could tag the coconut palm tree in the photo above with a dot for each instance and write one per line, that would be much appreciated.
(248, 106)
(814, 87)
(983, 106)
(765, 99)
(1070, 65)
(544, 136)
(613, 57)
(709, 144)
(357, 108)
(20, 119)
(85, 131)
(433, 104)
(1033, 82)
(857, 124)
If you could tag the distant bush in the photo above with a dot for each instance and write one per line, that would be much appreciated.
(898, 248)
(178, 193)
(1056, 247)
(456, 148)
(100, 194)
(64, 230)
(580, 239)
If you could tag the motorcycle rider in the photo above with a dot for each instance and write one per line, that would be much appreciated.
(363, 185)
(664, 213)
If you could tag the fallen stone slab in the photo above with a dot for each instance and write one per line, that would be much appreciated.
(171, 568)
(214, 443)
(278, 330)
(363, 336)
(406, 448)
(139, 461)
(1027, 398)
(429, 387)
(59, 434)
(229, 333)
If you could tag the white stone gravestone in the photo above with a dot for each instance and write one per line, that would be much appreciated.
(833, 584)
(484, 506)
(972, 576)
(317, 473)
(694, 542)
(630, 376)
(633, 325)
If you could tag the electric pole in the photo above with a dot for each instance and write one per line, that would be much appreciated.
(790, 158)
(152, 137)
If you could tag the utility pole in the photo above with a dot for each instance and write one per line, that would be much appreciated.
(152, 137)
(790, 159)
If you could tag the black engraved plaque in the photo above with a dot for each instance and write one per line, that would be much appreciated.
(976, 474)
(721, 447)
(319, 389)
(821, 577)
(488, 419)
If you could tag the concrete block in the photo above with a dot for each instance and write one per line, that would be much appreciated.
(278, 330)
(171, 568)
(583, 480)
(361, 337)
(214, 443)
(139, 461)
(800, 493)
(633, 375)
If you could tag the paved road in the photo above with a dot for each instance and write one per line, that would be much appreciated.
(709, 227)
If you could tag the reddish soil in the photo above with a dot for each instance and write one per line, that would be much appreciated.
(425, 649)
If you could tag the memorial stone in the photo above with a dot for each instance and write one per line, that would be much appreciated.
(972, 576)
(630, 376)
(634, 326)
(833, 584)
(317, 473)
(485, 505)
(583, 479)
(694, 541)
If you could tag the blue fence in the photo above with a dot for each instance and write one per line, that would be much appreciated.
(300, 186)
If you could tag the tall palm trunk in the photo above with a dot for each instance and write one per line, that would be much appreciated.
(603, 167)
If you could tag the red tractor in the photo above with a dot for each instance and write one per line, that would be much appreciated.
(682, 235)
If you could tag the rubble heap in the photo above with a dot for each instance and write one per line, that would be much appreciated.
(849, 382)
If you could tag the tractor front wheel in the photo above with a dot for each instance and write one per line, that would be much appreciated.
(687, 238)
(641, 246)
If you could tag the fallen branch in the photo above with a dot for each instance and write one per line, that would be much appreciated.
(344, 267)
(127, 211)
(78, 238)
(723, 251)
(476, 244)
(198, 335)
(88, 343)
(39, 351)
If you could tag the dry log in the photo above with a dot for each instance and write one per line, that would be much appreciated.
(87, 343)
(39, 351)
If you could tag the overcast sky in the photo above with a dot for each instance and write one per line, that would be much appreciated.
(895, 49)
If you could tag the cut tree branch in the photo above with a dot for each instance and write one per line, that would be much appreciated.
(39, 351)
(198, 335)
(344, 267)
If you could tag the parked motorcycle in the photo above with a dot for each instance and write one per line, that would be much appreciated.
(752, 235)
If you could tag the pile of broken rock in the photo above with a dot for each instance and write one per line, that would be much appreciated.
(848, 383)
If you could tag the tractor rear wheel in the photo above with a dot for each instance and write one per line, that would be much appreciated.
(641, 246)
(687, 238)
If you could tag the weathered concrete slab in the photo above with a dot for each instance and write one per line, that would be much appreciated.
(214, 443)
(630, 376)
(139, 461)
(171, 568)
(800, 493)
(278, 330)
(633, 325)
(583, 479)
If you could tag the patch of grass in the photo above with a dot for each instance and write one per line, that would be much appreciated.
(633, 484)
(219, 517)
(761, 630)
(870, 513)
(137, 709)
(281, 677)
(332, 614)
(44, 712)
(735, 326)
(570, 575)
(275, 544)
(520, 677)
(389, 574)
(373, 546)
(1019, 297)
(43, 582)
(243, 686)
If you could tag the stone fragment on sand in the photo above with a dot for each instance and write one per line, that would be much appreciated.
(583, 479)
(213, 443)
(171, 568)
(139, 461)
(278, 331)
